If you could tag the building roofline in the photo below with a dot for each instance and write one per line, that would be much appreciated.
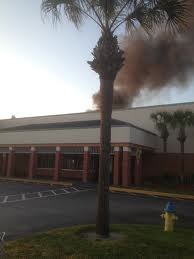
(64, 125)
(51, 115)
(96, 111)
(71, 125)
(158, 105)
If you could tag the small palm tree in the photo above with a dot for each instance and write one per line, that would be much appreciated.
(161, 120)
(181, 120)
(110, 15)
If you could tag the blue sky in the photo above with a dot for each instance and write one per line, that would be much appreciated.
(44, 68)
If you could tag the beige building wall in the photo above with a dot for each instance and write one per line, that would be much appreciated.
(141, 118)
(138, 116)
(78, 136)
(68, 136)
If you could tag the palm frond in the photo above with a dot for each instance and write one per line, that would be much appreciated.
(182, 118)
(100, 11)
(111, 14)
(72, 9)
(107, 10)
(176, 13)
(107, 7)
(147, 14)
(161, 117)
(161, 120)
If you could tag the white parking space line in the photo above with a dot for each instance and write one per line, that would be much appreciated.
(38, 195)
(2, 235)
(5, 199)
(49, 193)
(53, 192)
(65, 191)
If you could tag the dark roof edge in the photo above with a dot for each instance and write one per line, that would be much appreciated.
(144, 130)
(24, 130)
(125, 124)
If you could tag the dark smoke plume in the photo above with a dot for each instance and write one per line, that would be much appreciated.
(152, 64)
(119, 99)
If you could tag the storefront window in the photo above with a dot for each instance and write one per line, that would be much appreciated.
(73, 162)
(46, 161)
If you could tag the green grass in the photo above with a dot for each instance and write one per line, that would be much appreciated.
(139, 241)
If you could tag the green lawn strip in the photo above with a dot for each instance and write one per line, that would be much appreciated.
(139, 241)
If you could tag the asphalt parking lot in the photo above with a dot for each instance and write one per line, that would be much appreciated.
(28, 208)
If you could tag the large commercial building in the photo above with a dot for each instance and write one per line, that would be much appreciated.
(66, 146)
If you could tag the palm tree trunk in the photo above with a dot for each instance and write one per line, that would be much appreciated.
(107, 61)
(164, 146)
(102, 219)
(182, 161)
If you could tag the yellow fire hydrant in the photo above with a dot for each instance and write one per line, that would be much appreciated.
(169, 217)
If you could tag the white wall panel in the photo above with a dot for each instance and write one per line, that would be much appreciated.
(143, 138)
(141, 118)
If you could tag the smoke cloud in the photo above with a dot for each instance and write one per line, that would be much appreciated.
(153, 64)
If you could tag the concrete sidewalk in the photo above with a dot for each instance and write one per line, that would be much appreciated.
(36, 181)
(153, 193)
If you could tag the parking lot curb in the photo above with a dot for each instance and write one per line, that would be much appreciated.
(11, 179)
(152, 193)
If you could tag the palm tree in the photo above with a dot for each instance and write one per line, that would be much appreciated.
(110, 15)
(161, 120)
(181, 120)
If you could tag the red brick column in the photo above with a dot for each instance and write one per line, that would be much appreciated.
(10, 163)
(126, 167)
(117, 166)
(4, 164)
(86, 165)
(138, 167)
(57, 164)
(32, 163)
